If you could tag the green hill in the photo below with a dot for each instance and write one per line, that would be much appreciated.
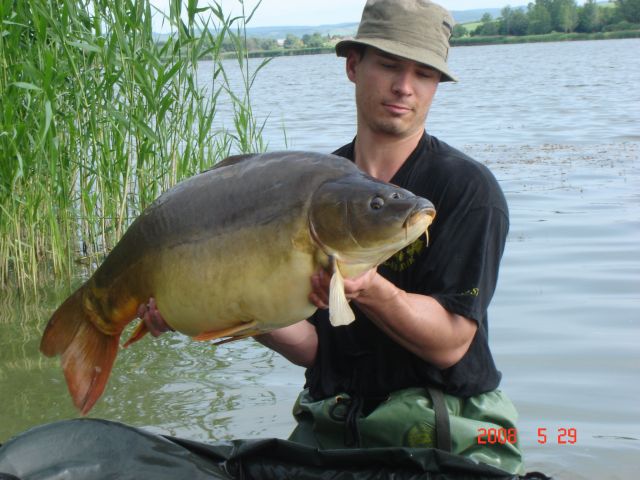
(349, 29)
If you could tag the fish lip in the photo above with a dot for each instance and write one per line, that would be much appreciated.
(420, 207)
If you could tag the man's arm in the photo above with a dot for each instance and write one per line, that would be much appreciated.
(298, 343)
(417, 322)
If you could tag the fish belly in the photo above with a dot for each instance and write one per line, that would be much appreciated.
(223, 282)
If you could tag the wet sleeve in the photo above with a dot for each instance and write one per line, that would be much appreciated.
(461, 268)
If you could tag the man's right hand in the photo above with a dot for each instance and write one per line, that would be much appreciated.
(151, 317)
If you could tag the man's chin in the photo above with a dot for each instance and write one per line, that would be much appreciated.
(392, 128)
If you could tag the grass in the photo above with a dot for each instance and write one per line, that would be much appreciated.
(97, 119)
(471, 26)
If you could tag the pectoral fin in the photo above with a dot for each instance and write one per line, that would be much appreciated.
(140, 331)
(340, 312)
(237, 331)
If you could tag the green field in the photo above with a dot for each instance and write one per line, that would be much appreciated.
(471, 26)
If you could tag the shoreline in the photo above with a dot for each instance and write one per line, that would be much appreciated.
(546, 38)
(467, 42)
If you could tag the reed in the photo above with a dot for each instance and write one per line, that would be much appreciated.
(98, 118)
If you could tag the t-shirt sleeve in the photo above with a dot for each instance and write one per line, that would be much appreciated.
(461, 268)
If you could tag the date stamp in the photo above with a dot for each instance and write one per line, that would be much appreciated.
(492, 436)
(501, 436)
(561, 435)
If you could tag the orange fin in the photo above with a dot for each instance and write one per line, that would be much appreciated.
(87, 353)
(140, 331)
(87, 364)
(233, 338)
(225, 332)
(61, 330)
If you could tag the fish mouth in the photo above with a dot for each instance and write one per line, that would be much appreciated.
(423, 210)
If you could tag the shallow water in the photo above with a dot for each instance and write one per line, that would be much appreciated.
(558, 124)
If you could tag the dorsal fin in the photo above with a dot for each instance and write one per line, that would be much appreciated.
(232, 160)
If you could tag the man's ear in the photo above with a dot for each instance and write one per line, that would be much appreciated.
(353, 58)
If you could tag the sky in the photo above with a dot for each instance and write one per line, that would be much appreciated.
(273, 13)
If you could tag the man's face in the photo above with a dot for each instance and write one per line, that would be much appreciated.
(393, 94)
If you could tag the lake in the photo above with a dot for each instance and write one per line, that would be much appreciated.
(559, 125)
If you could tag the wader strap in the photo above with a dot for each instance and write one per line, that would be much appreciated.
(351, 429)
(443, 429)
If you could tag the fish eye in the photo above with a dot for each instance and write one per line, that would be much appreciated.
(377, 203)
(395, 195)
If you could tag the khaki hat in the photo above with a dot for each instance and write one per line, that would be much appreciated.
(415, 29)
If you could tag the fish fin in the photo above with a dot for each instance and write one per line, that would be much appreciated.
(140, 331)
(232, 160)
(340, 312)
(225, 332)
(233, 338)
(87, 354)
(60, 331)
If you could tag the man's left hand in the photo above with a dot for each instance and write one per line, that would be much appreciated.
(353, 287)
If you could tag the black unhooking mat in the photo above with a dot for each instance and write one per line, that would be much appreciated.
(91, 449)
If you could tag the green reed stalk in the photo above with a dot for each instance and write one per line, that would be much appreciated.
(248, 131)
(98, 118)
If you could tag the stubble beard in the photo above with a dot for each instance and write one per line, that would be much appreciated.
(387, 128)
(380, 121)
(395, 127)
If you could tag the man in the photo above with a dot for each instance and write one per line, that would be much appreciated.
(415, 368)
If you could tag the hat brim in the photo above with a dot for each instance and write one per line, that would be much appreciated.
(424, 56)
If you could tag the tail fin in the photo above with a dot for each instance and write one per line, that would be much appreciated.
(140, 331)
(87, 353)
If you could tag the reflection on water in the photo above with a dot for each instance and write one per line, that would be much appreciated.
(565, 322)
(213, 387)
(171, 385)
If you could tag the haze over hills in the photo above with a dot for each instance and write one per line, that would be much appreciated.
(342, 29)
(350, 28)
(347, 29)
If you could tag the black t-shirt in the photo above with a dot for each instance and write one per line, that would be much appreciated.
(458, 267)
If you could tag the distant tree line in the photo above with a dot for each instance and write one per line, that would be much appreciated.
(291, 42)
(538, 18)
(546, 16)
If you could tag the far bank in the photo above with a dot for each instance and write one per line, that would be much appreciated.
(466, 42)
(548, 37)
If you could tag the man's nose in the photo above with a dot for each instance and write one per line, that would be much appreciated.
(402, 83)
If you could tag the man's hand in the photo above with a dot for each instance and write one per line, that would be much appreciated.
(150, 315)
(417, 322)
(353, 287)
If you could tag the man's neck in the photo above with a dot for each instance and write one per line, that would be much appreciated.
(382, 156)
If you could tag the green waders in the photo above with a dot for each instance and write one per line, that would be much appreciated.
(481, 427)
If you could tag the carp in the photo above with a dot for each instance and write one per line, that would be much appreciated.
(229, 254)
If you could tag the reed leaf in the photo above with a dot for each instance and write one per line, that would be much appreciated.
(98, 118)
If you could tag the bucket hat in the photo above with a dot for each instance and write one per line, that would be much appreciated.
(415, 29)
